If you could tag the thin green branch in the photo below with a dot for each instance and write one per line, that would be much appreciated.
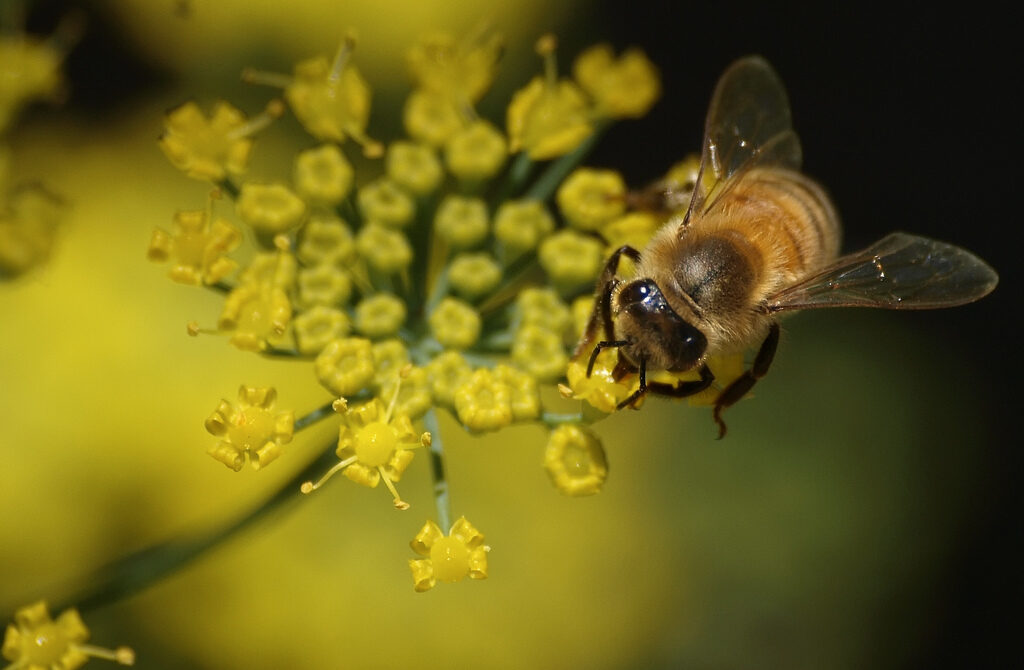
(437, 473)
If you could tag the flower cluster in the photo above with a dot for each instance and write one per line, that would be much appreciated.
(453, 272)
(35, 641)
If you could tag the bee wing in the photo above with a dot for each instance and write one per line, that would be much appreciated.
(900, 271)
(748, 125)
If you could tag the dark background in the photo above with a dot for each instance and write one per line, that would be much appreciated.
(906, 118)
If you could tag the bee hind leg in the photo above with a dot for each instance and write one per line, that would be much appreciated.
(742, 384)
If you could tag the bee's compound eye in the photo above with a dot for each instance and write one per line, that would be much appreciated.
(635, 292)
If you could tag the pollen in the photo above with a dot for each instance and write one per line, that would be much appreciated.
(250, 428)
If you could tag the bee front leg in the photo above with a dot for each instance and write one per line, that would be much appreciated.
(742, 385)
(601, 316)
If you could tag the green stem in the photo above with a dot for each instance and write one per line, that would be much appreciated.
(516, 177)
(314, 416)
(145, 567)
(441, 501)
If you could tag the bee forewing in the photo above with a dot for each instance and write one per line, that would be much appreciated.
(748, 125)
(900, 271)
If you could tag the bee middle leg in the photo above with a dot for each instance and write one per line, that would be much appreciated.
(741, 385)
(680, 390)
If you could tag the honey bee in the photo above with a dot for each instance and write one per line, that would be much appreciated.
(757, 239)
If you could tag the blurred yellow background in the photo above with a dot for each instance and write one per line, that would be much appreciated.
(825, 515)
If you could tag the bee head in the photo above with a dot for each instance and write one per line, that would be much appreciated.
(656, 333)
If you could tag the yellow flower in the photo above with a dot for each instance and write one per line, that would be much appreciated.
(571, 260)
(384, 202)
(549, 117)
(540, 352)
(323, 175)
(332, 100)
(380, 315)
(411, 390)
(390, 360)
(345, 366)
(473, 275)
(476, 152)
(324, 285)
(455, 324)
(525, 398)
(326, 240)
(270, 208)
(197, 247)
(431, 118)
(461, 221)
(208, 148)
(273, 269)
(600, 389)
(589, 198)
(29, 70)
(448, 558)
(622, 89)
(446, 372)
(28, 228)
(634, 229)
(317, 327)
(36, 642)
(520, 225)
(542, 307)
(256, 315)
(459, 71)
(414, 167)
(483, 402)
(575, 460)
(385, 250)
(250, 429)
(374, 444)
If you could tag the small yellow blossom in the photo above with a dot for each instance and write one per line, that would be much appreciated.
(384, 249)
(380, 315)
(525, 402)
(461, 221)
(317, 327)
(473, 275)
(414, 167)
(28, 229)
(625, 88)
(574, 459)
(431, 118)
(476, 152)
(634, 229)
(36, 642)
(549, 117)
(449, 558)
(540, 352)
(447, 371)
(455, 324)
(255, 315)
(457, 70)
(323, 175)
(571, 260)
(324, 285)
(29, 71)
(542, 307)
(197, 247)
(277, 269)
(581, 309)
(384, 202)
(390, 359)
(270, 208)
(411, 391)
(600, 389)
(520, 225)
(207, 148)
(374, 444)
(326, 240)
(589, 198)
(483, 402)
(250, 429)
(345, 366)
(332, 100)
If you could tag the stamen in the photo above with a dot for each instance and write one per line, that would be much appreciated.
(121, 655)
(309, 487)
(399, 503)
(251, 75)
(348, 43)
(273, 110)
(546, 47)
